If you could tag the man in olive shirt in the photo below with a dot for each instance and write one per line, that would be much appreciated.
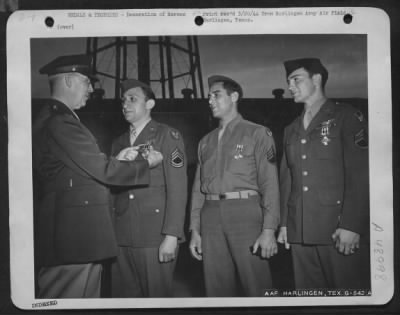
(236, 191)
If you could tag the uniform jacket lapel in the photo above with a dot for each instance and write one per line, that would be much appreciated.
(298, 125)
(325, 113)
(147, 134)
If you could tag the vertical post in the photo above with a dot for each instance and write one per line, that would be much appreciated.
(162, 69)
(88, 42)
(124, 59)
(143, 53)
(169, 67)
(117, 66)
(192, 68)
(94, 53)
(197, 62)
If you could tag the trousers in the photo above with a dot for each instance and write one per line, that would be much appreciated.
(137, 272)
(70, 281)
(228, 230)
(322, 266)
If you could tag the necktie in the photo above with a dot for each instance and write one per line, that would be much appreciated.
(307, 118)
(133, 135)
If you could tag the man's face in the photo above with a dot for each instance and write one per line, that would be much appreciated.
(221, 103)
(301, 85)
(134, 105)
(82, 88)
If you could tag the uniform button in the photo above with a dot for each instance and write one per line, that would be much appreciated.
(338, 202)
(131, 196)
(86, 202)
(304, 156)
(157, 210)
(303, 141)
(305, 173)
(305, 188)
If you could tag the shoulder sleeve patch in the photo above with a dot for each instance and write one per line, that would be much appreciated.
(359, 115)
(269, 132)
(177, 159)
(271, 155)
(361, 139)
(174, 134)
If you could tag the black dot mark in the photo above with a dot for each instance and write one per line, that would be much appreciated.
(347, 18)
(49, 21)
(198, 20)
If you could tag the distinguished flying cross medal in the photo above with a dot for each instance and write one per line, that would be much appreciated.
(325, 127)
(239, 150)
(145, 148)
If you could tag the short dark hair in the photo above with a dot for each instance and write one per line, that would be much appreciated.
(324, 75)
(232, 86)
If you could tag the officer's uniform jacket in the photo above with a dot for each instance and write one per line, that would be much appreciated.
(324, 175)
(144, 215)
(243, 159)
(74, 219)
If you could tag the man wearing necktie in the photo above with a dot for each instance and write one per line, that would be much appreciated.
(73, 227)
(235, 199)
(148, 219)
(324, 185)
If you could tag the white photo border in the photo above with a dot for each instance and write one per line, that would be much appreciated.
(24, 25)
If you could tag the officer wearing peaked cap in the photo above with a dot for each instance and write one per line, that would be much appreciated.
(324, 185)
(70, 64)
(74, 232)
(235, 199)
(148, 219)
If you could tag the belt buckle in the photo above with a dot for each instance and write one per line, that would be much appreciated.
(222, 196)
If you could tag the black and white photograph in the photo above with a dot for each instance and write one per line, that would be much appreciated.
(219, 166)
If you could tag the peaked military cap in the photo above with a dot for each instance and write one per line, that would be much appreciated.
(70, 63)
(220, 78)
(313, 65)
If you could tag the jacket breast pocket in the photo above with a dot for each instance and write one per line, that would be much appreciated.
(326, 147)
(241, 159)
(207, 163)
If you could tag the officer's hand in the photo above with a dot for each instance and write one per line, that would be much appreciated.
(127, 154)
(267, 242)
(167, 250)
(154, 158)
(346, 242)
(195, 245)
(282, 237)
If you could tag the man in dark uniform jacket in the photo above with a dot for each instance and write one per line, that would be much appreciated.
(324, 185)
(74, 227)
(149, 220)
(235, 199)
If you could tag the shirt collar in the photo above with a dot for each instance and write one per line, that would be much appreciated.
(231, 125)
(61, 107)
(314, 109)
(139, 127)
